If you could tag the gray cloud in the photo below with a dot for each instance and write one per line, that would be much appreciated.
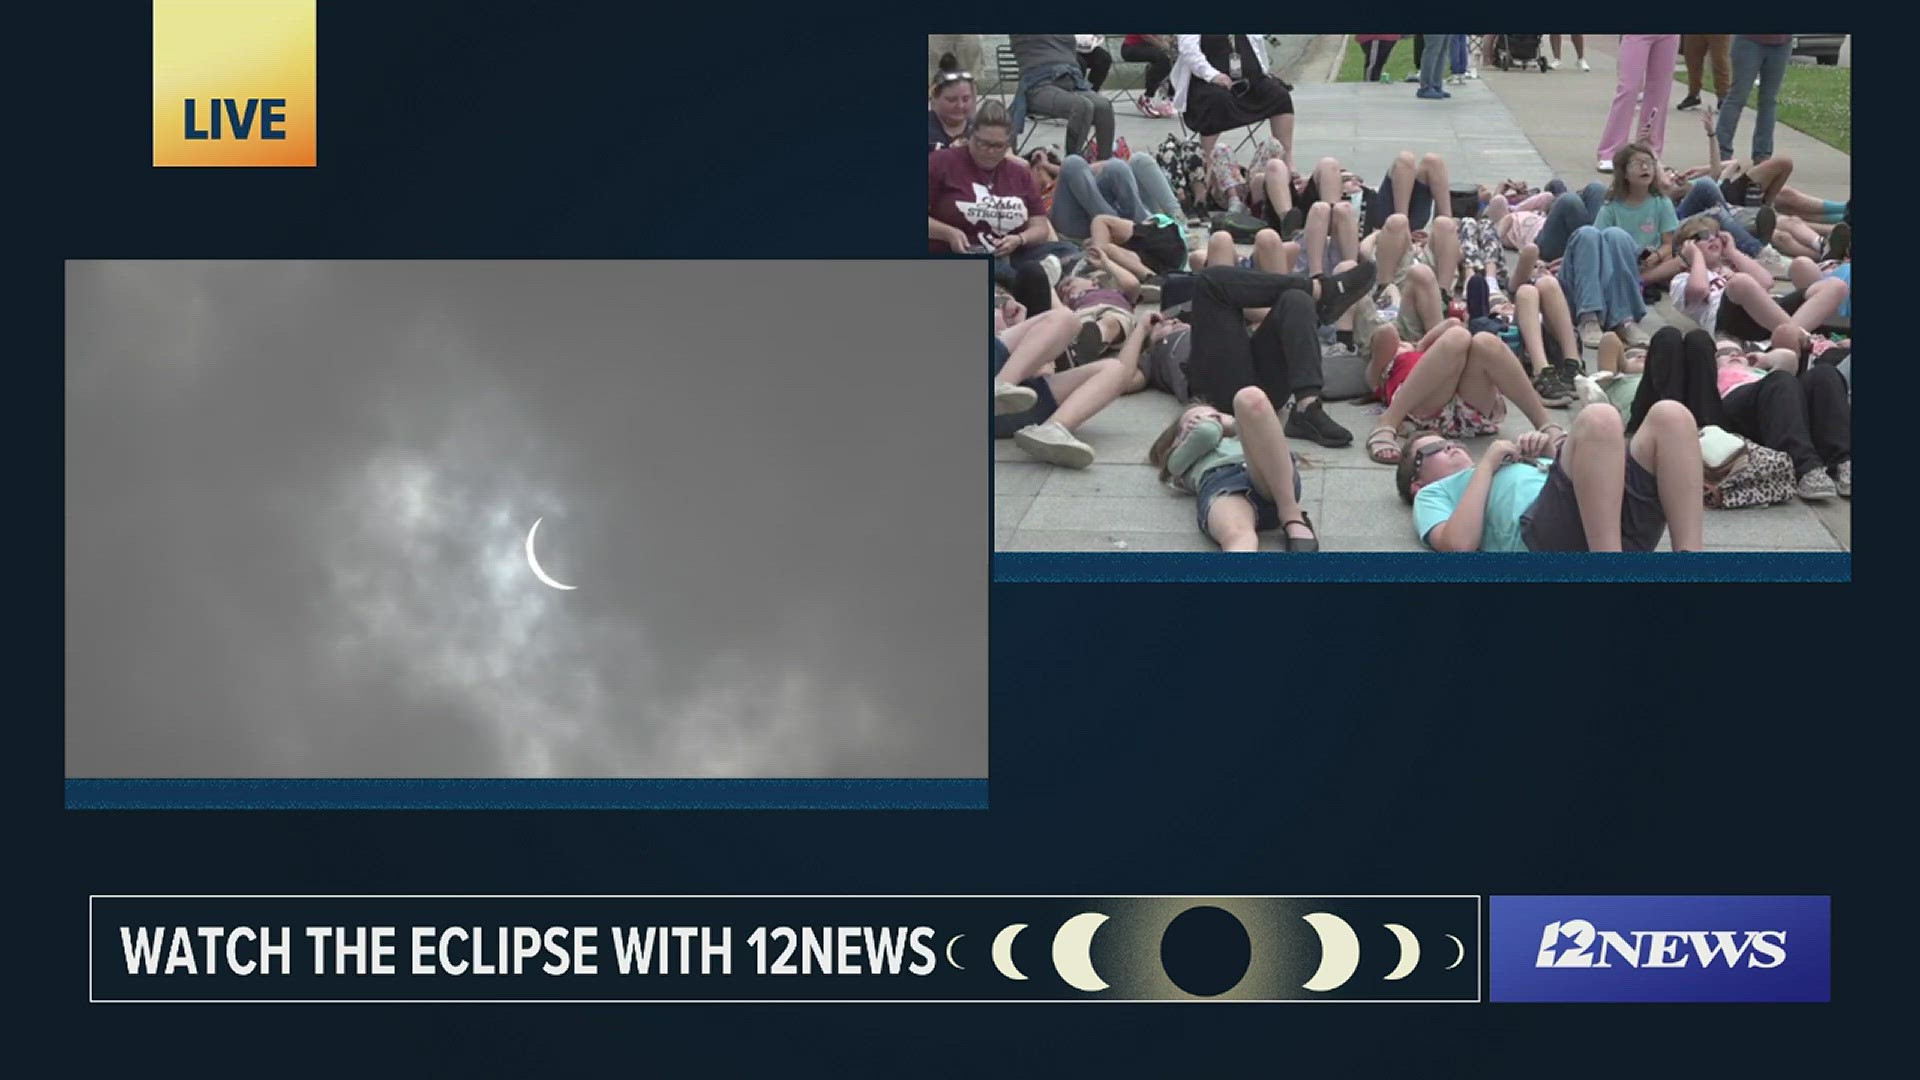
(297, 497)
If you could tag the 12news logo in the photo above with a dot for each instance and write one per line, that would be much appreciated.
(234, 84)
(1577, 943)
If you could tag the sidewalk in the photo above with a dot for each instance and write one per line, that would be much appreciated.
(1118, 503)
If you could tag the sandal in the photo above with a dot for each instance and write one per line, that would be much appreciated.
(1301, 543)
(1383, 451)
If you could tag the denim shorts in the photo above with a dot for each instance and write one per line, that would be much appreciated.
(1233, 479)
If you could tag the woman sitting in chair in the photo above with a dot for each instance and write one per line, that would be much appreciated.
(1222, 82)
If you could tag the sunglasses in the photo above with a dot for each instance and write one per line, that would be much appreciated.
(949, 78)
(1420, 456)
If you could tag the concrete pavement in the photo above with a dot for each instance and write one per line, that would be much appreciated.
(1118, 504)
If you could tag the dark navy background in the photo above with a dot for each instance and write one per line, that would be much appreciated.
(1187, 739)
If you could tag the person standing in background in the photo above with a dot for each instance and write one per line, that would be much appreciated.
(1377, 48)
(1579, 50)
(1646, 69)
(1697, 48)
(1766, 56)
(1154, 51)
(1434, 53)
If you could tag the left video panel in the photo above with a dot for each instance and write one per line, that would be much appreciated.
(520, 520)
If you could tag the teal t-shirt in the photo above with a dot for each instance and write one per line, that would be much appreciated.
(1646, 223)
(1515, 487)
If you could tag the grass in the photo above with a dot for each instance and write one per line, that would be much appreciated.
(1815, 100)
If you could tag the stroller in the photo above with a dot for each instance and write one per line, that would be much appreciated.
(1521, 49)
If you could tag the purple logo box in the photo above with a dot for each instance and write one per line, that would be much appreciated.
(1659, 948)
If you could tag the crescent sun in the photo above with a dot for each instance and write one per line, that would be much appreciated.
(1339, 952)
(1409, 952)
(1072, 952)
(1462, 946)
(950, 958)
(1003, 951)
(533, 561)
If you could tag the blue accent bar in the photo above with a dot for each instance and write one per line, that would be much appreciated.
(1381, 566)
(452, 794)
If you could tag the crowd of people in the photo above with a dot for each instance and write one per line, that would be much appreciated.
(1111, 279)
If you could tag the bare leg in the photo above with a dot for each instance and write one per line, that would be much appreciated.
(1422, 293)
(1803, 273)
(1612, 351)
(1346, 231)
(1326, 179)
(1279, 186)
(1823, 299)
(1314, 236)
(1087, 389)
(1206, 146)
(1434, 379)
(1431, 171)
(1771, 175)
(1036, 343)
(1126, 259)
(1668, 446)
(1559, 314)
(1799, 204)
(1523, 268)
(1269, 252)
(1220, 249)
(1444, 239)
(1269, 462)
(1282, 128)
(1231, 520)
(1526, 306)
(1492, 371)
(1384, 346)
(1791, 236)
(1594, 457)
(1401, 173)
(1108, 229)
(1393, 241)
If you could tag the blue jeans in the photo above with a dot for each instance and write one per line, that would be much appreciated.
(1135, 189)
(1460, 60)
(1706, 198)
(1568, 213)
(1601, 276)
(1769, 63)
(1433, 61)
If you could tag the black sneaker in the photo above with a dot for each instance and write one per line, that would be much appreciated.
(1313, 423)
(1691, 101)
(1840, 241)
(1339, 291)
(1292, 223)
(1553, 389)
(1086, 348)
(1764, 223)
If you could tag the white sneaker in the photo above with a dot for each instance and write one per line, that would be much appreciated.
(1605, 165)
(1771, 258)
(1843, 478)
(1009, 398)
(1051, 264)
(1817, 485)
(1473, 73)
(1584, 67)
(1052, 443)
(1586, 391)
(1553, 62)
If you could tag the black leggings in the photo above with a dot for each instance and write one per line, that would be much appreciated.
(1283, 355)
(1679, 369)
(1377, 53)
(1807, 416)
(1158, 60)
(1096, 64)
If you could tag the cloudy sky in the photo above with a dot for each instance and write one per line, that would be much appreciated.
(298, 496)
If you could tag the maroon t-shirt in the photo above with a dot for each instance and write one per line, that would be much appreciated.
(985, 205)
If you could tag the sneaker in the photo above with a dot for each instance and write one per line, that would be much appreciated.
(1009, 398)
(1590, 332)
(1473, 73)
(1552, 388)
(1586, 392)
(1145, 105)
(1087, 347)
(1412, 76)
(1605, 165)
(1293, 222)
(1167, 111)
(1430, 93)
(1553, 62)
(1843, 478)
(1771, 258)
(1584, 66)
(1691, 101)
(1051, 264)
(1633, 334)
(1840, 241)
(1817, 485)
(1150, 292)
(1445, 94)
(1570, 369)
(1765, 220)
(1314, 423)
(1054, 444)
(1338, 292)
